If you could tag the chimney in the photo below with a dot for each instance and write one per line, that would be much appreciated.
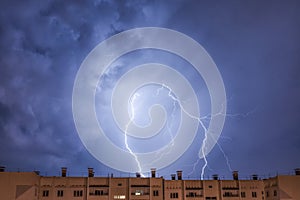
(91, 172)
(179, 175)
(138, 174)
(254, 177)
(2, 169)
(173, 176)
(215, 177)
(235, 175)
(63, 171)
(153, 171)
(297, 171)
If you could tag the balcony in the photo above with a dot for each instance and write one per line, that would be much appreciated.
(193, 196)
(140, 186)
(194, 188)
(99, 186)
(230, 188)
(228, 194)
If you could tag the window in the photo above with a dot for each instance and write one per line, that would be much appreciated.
(155, 193)
(45, 193)
(174, 195)
(243, 194)
(210, 186)
(254, 194)
(119, 197)
(275, 193)
(192, 194)
(267, 193)
(99, 192)
(60, 193)
(139, 192)
(119, 184)
(77, 193)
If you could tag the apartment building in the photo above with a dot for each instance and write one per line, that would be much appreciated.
(32, 186)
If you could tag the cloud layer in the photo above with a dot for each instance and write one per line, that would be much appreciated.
(254, 44)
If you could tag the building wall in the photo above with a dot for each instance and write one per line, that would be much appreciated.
(63, 188)
(19, 185)
(98, 188)
(289, 187)
(283, 188)
(271, 189)
(30, 186)
(252, 189)
(193, 190)
(173, 189)
(230, 189)
(211, 189)
(156, 189)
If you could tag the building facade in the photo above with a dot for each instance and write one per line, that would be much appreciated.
(32, 186)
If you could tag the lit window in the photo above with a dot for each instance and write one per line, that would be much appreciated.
(139, 192)
(119, 196)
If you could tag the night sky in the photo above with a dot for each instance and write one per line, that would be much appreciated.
(255, 45)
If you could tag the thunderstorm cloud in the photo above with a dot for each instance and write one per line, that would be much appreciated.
(255, 45)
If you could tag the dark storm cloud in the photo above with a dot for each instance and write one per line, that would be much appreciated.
(255, 45)
(42, 45)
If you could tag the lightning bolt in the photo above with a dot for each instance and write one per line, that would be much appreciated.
(204, 141)
(126, 132)
(202, 150)
(244, 115)
(225, 156)
(200, 120)
(168, 126)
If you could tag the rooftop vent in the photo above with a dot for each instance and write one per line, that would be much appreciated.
(235, 175)
(179, 175)
(138, 174)
(90, 172)
(173, 176)
(254, 177)
(297, 171)
(215, 177)
(2, 169)
(63, 171)
(153, 171)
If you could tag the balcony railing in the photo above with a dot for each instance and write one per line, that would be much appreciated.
(140, 186)
(194, 196)
(230, 195)
(194, 188)
(230, 188)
